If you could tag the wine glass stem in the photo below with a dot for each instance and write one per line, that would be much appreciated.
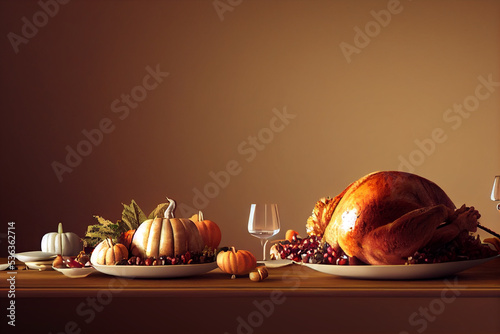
(263, 243)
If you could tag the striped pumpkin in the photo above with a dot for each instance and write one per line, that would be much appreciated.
(167, 236)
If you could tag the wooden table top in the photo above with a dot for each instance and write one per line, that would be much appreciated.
(297, 280)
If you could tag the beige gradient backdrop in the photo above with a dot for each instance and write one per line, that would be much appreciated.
(225, 79)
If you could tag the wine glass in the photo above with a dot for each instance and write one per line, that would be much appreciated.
(263, 223)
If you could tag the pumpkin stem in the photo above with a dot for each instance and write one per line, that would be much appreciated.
(59, 234)
(233, 249)
(110, 242)
(200, 216)
(169, 212)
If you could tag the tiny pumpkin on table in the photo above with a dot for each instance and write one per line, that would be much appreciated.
(236, 262)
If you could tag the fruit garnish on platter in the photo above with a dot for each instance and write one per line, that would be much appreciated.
(310, 249)
(388, 218)
(80, 261)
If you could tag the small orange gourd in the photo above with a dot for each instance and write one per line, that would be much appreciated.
(290, 234)
(236, 262)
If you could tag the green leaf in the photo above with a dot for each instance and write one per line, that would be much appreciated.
(159, 211)
(104, 229)
(132, 216)
(103, 221)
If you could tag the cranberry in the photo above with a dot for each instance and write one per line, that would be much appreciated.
(72, 263)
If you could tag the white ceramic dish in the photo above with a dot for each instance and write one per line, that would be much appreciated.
(76, 272)
(39, 265)
(34, 256)
(275, 263)
(398, 272)
(166, 271)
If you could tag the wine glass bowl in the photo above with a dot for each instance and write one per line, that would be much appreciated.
(263, 223)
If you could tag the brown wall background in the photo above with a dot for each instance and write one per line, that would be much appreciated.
(225, 79)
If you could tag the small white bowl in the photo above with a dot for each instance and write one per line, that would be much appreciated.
(76, 272)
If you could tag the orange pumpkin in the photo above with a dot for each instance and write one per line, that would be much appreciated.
(126, 238)
(290, 234)
(210, 231)
(236, 262)
(108, 253)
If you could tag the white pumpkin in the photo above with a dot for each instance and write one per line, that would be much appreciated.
(70, 242)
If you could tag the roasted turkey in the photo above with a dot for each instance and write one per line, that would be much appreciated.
(385, 217)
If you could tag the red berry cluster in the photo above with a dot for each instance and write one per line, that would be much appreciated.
(309, 250)
(208, 255)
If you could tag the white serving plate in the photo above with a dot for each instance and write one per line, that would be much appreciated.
(398, 272)
(165, 271)
(76, 272)
(34, 256)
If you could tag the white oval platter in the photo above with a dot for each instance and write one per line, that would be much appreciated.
(398, 272)
(166, 271)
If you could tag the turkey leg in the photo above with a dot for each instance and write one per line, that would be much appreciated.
(394, 242)
(463, 219)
